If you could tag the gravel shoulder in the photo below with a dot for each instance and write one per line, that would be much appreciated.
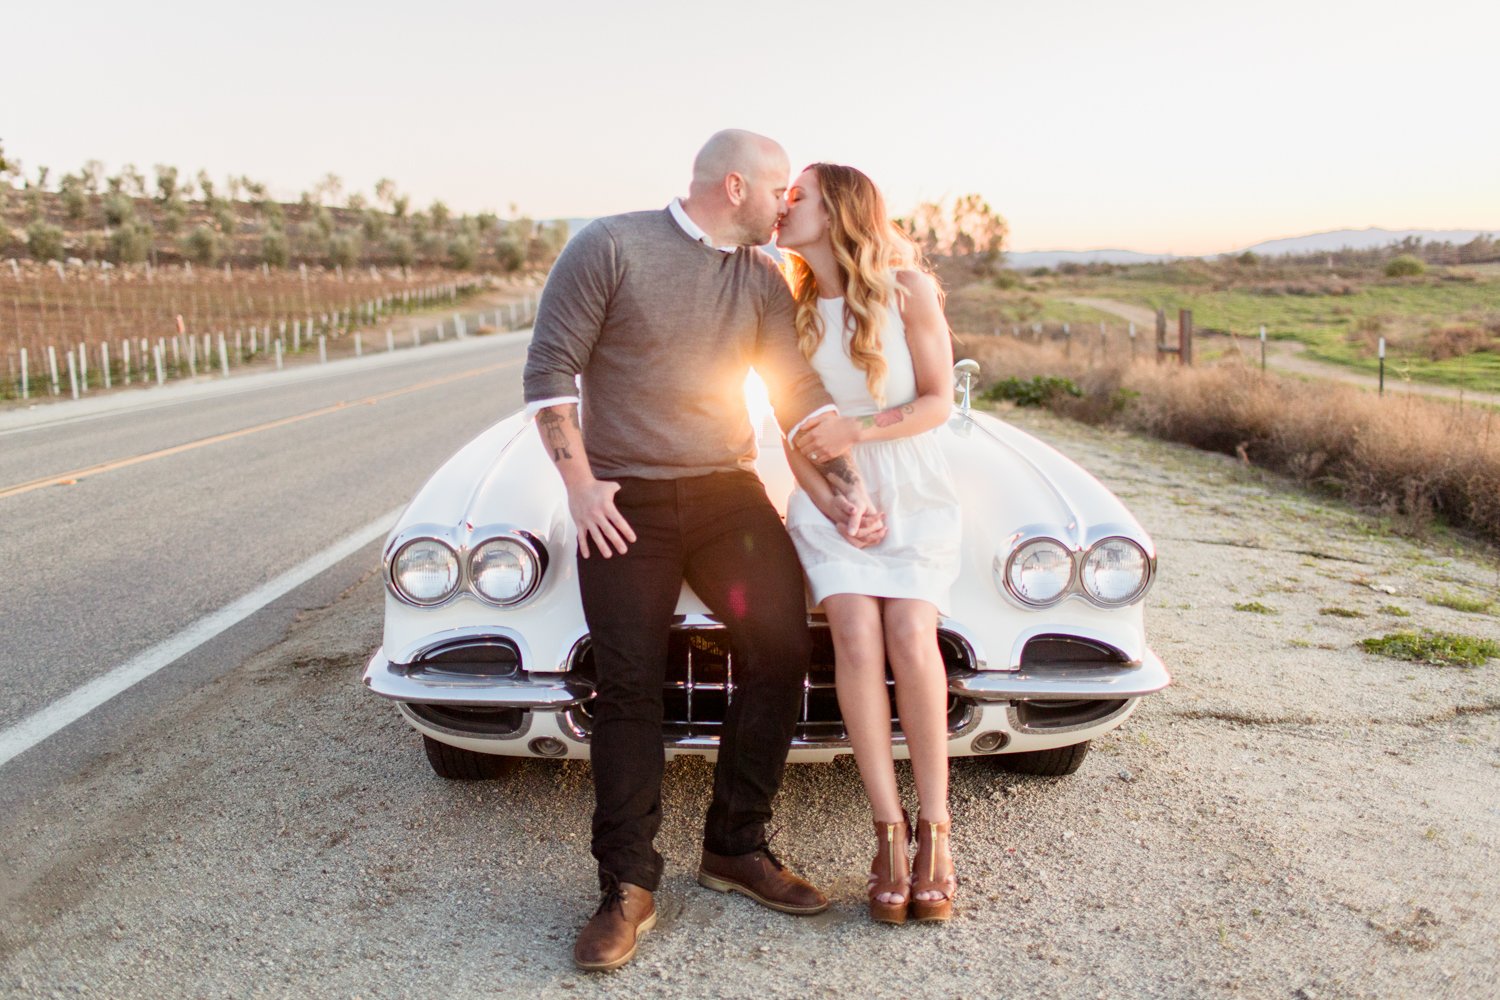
(1294, 817)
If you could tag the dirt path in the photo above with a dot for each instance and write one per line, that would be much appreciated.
(1293, 818)
(1288, 356)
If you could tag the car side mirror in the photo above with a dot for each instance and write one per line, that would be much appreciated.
(965, 373)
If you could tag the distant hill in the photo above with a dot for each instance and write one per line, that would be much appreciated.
(1052, 258)
(1339, 239)
(1359, 239)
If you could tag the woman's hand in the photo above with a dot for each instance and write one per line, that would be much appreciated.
(827, 436)
(859, 526)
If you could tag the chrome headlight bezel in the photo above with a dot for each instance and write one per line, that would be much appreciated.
(1008, 572)
(1080, 557)
(1088, 562)
(463, 544)
(532, 552)
(393, 569)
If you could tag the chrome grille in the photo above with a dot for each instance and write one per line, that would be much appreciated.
(699, 686)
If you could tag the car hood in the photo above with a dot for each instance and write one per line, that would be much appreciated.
(1008, 480)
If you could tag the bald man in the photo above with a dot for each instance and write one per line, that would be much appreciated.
(659, 315)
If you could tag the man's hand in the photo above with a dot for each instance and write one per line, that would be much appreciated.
(591, 501)
(592, 505)
(827, 436)
(851, 502)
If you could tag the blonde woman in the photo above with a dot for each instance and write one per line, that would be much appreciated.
(870, 322)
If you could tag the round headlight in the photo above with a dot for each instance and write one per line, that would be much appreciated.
(425, 571)
(504, 570)
(1115, 571)
(1039, 571)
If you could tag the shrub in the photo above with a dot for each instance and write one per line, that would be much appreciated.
(275, 249)
(400, 248)
(1455, 340)
(203, 246)
(174, 214)
(1038, 391)
(224, 218)
(44, 241)
(344, 249)
(74, 197)
(1404, 456)
(462, 253)
(118, 208)
(1405, 266)
(510, 253)
(374, 225)
(130, 243)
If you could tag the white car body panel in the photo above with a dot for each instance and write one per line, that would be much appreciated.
(1008, 481)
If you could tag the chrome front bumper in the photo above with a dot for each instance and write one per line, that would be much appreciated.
(1063, 681)
(544, 692)
(533, 692)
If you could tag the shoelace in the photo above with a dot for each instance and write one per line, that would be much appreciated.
(614, 897)
(765, 848)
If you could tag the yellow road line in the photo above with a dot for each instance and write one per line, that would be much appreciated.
(122, 463)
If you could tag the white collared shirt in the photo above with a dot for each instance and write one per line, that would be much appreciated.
(680, 216)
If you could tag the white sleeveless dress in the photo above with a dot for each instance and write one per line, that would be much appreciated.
(907, 478)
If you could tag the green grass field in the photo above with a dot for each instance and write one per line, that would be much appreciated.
(1339, 319)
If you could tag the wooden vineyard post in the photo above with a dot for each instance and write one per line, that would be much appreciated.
(1185, 336)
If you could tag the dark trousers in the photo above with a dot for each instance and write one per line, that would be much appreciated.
(720, 534)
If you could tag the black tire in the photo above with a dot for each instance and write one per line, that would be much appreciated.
(457, 764)
(1051, 763)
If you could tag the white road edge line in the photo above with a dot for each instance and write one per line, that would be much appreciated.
(70, 708)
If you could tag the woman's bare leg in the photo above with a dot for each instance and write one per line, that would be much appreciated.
(859, 651)
(921, 701)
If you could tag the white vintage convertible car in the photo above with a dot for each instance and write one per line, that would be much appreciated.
(486, 653)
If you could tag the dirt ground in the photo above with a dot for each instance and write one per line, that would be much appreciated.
(1294, 817)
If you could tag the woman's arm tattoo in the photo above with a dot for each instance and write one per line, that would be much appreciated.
(551, 422)
(888, 418)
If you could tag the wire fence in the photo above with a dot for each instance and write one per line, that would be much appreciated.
(68, 331)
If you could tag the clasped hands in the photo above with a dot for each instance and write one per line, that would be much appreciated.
(822, 440)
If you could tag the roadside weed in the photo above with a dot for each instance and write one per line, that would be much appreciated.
(1441, 649)
(1462, 602)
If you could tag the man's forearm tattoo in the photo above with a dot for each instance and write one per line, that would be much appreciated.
(888, 418)
(552, 423)
(840, 472)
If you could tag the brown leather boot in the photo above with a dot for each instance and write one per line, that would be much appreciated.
(763, 878)
(608, 940)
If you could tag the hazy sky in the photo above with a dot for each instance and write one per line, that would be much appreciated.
(1156, 125)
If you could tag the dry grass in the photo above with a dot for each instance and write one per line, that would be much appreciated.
(1402, 455)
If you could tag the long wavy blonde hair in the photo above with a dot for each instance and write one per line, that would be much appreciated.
(869, 250)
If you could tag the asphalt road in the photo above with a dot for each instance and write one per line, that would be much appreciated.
(130, 519)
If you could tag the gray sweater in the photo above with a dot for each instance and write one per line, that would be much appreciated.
(663, 329)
